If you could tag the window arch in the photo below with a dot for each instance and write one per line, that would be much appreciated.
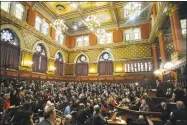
(105, 64)
(105, 57)
(59, 64)
(10, 49)
(40, 59)
(82, 65)
(82, 59)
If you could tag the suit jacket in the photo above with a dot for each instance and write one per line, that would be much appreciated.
(165, 114)
(44, 122)
(97, 120)
(144, 108)
(179, 114)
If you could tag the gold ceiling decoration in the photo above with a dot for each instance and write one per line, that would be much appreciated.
(109, 13)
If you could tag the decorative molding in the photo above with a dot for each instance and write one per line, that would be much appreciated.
(111, 45)
(161, 17)
(11, 19)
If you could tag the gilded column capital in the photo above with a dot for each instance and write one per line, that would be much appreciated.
(154, 45)
(160, 33)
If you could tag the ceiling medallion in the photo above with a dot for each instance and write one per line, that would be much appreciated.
(60, 7)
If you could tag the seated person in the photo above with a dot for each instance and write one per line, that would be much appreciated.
(49, 115)
(144, 106)
(179, 114)
(124, 103)
(165, 112)
(140, 121)
(97, 118)
(68, 120)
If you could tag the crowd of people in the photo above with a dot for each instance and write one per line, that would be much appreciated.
(78, 103)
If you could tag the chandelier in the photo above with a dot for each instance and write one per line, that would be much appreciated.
(59, 24)
(93, 24)
(132, 9)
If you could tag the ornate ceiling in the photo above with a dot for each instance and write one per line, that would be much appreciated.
(109, 13)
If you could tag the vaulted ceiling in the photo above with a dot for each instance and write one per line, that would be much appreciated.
(110, 14)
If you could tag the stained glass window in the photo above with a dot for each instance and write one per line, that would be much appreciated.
(40, 49)
(82, 59)
(105, 56)
(9, 36)
(5, 6)
(19, 11)
(58, 56)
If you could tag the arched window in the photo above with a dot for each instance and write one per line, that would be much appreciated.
(39, 59)
(59, 64)
(82, 66)
(105, 64)
(10, 49)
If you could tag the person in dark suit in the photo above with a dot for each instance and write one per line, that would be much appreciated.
(140, 121)
(81, 115)
(165, 112)
(179, 114)
(144, 106)
(185, 97)
(49, 115)
(97, 118)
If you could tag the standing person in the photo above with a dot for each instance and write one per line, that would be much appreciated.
(97, 118)
(49, 116)
(67, 110)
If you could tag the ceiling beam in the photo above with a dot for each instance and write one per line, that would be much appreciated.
(114, 14)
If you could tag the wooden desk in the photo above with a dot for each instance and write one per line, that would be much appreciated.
(152, 120)
(116, 122)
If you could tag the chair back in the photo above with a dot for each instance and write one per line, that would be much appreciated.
(181, 122)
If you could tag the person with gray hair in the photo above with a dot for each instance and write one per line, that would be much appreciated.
(179, 114)
(165, 112)
(49, 115)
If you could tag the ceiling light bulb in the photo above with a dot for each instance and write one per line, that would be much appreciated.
(75, 27)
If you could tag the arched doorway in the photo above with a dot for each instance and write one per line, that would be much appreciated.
(59, 64)
(10, 49)
(105, 64)
(39, 59)
(82, 66)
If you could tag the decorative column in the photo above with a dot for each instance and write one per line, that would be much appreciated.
(177, 27)
(154, 11)
(162, 46)
(155, 56)
(173, 31)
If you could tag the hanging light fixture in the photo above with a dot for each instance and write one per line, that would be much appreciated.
(92, 22)
(132, 9)
(59, 24)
